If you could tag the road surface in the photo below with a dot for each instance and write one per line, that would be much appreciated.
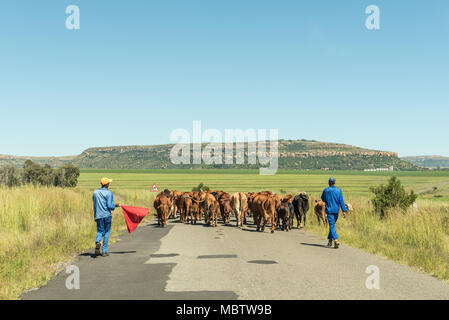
(199, 262)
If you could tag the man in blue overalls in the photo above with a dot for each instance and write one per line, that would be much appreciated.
(103, 205)
(333, 197)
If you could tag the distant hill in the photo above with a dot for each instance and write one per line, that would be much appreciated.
(17, 161)
(293, 154)
(428, 161)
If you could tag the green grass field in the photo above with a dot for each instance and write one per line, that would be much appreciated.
(354, 183)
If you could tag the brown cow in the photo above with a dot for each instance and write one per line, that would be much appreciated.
(288, 198)
(250, 197)
(224, 199)
(195, 211)
(213, 214)
(239, 206)
(162, 205)
(277, 200)
(206, 202)
(320, 211)
(185, 206)
(175, 199)
(264, 210)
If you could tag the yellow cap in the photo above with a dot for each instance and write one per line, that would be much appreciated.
(105, 181)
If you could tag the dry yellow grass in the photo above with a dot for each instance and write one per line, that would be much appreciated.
(416, 238)
(41, 227)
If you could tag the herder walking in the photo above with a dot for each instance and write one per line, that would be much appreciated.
(333, 198)
(103, 205)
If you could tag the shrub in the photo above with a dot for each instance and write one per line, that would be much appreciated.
(35, 174)
(67, 176)
(392, 195)
(10, 177)
(201, 187)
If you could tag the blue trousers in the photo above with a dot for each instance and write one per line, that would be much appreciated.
(332, 218)
(103, 231)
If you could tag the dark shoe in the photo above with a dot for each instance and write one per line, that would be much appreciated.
(105, 254)
(329, 244)
(97, 248)
(336, 244)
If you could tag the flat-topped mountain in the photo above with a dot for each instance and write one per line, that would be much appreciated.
(293, 154)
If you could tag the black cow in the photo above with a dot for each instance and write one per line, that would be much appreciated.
(301, 206)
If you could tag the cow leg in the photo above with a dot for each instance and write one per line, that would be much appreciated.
(188, 213)
(305, 216)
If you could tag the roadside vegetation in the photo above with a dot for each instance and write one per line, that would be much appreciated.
(415, 237)
(41, 226)
(33, 173)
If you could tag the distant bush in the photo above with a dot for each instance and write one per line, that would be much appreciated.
(67, 176)
(392, 195)
(35, 174)
(201, 187)
(10, 176)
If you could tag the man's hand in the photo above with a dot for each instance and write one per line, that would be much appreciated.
(344, 215)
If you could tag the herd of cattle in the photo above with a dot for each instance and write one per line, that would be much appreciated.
(264, 207)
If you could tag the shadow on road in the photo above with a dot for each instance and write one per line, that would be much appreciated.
(315, 245)
(122, 252)
(94, 256)
(125, 274)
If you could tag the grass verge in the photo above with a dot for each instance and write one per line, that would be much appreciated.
(40, 227)
(419, 239)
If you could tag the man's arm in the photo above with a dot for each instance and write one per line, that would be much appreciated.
(111, 204)
(323, 198)
(93, 202)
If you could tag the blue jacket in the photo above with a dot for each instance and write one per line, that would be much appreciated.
(334, 200)
(103, 203)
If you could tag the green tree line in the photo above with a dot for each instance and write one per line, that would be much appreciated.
(33, 173)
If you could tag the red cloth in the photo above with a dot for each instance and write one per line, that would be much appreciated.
(133, 216)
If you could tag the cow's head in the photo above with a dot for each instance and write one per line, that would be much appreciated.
(304, 196)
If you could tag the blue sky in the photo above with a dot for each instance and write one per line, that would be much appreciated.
(137, 70)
